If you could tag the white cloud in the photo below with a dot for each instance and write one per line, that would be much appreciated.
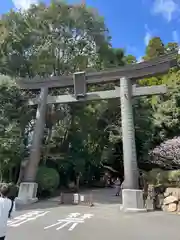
(148, 35)
(147, 38)
(166, 8)
(24, 4)
(175, 36)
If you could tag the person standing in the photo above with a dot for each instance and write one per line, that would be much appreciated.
(7, 207)
(117, 186)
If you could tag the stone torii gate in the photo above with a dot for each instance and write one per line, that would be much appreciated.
(132, 197)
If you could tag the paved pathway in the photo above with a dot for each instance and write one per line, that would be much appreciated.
(48, 220)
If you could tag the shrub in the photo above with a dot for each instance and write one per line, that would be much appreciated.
(48, 180)
(157, 176)
(165, 178)
(174, 176)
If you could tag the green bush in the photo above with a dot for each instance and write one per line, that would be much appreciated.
(165, 178)
(157, 177)
(174, 176)
(48, 180)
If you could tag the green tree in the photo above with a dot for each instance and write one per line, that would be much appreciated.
(54, 39)
(167, 109)
(130, 59)
(155, 48)
(110, 57)
(171, 47)
(60, 39)
(14, 115)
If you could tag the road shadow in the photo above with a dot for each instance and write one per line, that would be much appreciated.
(93, 197)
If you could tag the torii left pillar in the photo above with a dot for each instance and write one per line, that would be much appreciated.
(28, 188)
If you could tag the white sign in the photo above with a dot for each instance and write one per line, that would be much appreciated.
(17, 221)
(71, 221)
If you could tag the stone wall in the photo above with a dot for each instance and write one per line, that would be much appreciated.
(171, 201)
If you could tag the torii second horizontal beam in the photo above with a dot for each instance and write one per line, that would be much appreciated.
(101, 95)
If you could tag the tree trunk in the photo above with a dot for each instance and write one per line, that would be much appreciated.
(77, 183)
(20, 178)
(22, 171)
(10, 174)
(46, 152)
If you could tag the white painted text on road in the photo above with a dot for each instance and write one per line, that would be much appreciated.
(30, 216)
(71, 221)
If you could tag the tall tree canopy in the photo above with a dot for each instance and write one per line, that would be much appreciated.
(155, 48)
(53, 39)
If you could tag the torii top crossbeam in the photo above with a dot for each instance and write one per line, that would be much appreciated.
(153, 67)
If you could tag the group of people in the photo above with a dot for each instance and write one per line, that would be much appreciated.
(7, 207)
(118, 183)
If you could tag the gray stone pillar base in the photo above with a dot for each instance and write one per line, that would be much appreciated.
(132, 201)
(27, 193)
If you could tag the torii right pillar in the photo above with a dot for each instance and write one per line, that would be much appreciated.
(132, 197)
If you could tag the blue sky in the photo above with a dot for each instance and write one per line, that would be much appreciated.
(131, 22)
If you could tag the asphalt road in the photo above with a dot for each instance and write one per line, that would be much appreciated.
(105, 221)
